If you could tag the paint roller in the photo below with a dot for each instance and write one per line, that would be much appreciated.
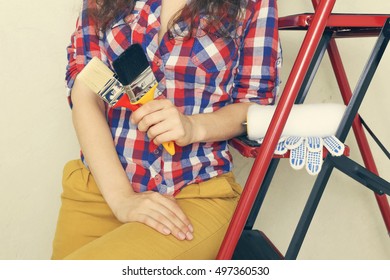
(305, 120)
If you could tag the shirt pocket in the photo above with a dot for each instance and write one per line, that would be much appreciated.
(120, 34)
(212, 53)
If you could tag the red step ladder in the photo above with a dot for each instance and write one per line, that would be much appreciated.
(322, 27)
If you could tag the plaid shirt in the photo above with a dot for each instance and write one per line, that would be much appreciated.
(199, 75)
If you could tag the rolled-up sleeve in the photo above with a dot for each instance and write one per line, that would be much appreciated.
(84, 44)
(257, 78)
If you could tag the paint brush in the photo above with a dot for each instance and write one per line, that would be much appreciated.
(135, 74)
(102, 81)
(106, 84)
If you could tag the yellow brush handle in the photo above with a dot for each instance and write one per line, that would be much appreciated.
(169, 147)
(149, 96)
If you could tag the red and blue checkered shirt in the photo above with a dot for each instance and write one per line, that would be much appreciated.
(199, 75)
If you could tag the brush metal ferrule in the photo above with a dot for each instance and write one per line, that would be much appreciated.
(112, 91)
(141, 85)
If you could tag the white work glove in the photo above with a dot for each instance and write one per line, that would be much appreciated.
(303, 121)
(308, 151)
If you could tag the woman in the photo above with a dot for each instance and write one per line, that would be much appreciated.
(212, 59)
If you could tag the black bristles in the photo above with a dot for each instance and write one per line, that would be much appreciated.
(130, 64)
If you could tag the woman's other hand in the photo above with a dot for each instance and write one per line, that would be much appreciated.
(160, 212)
(163, 122)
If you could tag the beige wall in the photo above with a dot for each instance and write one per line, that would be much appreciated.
(38, 139)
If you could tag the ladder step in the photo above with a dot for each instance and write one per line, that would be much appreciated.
(255, 245)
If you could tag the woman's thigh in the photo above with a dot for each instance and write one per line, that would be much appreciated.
(98, 235)
(84, 215)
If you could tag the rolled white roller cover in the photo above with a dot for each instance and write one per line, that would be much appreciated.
(305, 120)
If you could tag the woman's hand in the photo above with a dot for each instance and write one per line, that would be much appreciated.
(163, 122)
(160, 212)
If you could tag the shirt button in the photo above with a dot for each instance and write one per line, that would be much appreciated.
(156, 151)
(158, 178)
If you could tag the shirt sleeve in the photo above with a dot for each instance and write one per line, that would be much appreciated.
(257, 78)
(84, 44)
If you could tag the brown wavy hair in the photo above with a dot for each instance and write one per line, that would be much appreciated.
(217, 11)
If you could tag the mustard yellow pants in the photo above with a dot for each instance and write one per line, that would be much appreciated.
(87, 229)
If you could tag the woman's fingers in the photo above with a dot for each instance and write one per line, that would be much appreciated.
(161, 213)
(165, 131)
(165, 226)
(149, 108)
(162, 122)
(171, 215)
(151, 120)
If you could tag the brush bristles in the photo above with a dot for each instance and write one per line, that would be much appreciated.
(130, 64)
(95, 75)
